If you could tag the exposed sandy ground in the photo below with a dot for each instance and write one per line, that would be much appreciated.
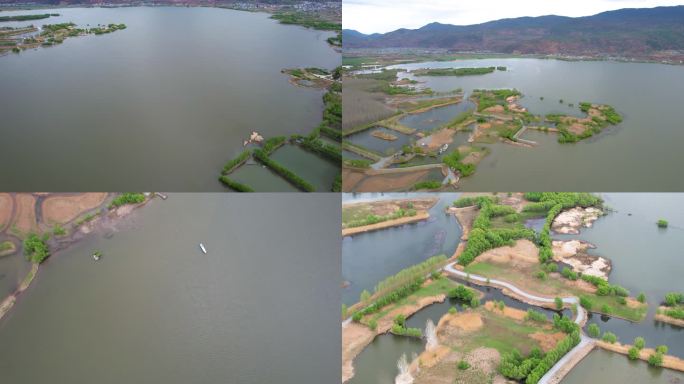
(64, 208)
(423, 215)
(367, 181)
(385, 322)
(6, 204)
(667, 319)
(572, 252)
(495, 109)
(547, 341)
(570, 221)
(25, 215)
(473, 158)
(483, 362)
(386, 207)
(438, 139)
(465, 217)
(522, 253)
(465, 321)
(671, 362)
(355, 337)
(512, 313)
(383, 135)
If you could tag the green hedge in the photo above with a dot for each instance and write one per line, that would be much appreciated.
(236, 162)
(293, 178)
(234, 185)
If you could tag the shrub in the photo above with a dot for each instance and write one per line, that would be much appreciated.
(569, 273)
(541, 275)
(586, 303)
(639, 342)
(461, 293)
(633, 353)
(474, 302)
(463, 365)
(430, 184)
(535, 315)
(662, 349)
(656, 359)
(674, 298)
(609, 337)
(593, 330)
(373, 324)
(127, 198)
(559, 302)
(453, 310)
(641, 297)
(662, 223)
(605, 308)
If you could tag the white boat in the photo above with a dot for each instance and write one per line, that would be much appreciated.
(203, 249)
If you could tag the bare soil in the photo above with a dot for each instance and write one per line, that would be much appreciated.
(63, 208)
(25, 214)
(6, 206)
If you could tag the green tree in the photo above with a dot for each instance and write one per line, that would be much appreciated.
(662, 223)
(344, 311)
(662, 349)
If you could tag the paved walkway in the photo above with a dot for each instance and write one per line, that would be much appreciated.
(579, 319)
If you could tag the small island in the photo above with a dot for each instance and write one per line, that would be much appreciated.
(23, 38)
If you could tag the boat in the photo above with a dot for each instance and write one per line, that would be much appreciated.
(203, 249)
(97, 255)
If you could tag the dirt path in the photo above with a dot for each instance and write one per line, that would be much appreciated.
(420, 216)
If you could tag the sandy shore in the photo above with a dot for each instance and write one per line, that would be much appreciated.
(356, 337)
(420, 216)
(26, 212)
(669, 361)
(667, 319)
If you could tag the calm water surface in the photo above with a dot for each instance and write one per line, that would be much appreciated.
(155, 309)
(622, 158)
(161, 105)
(370, 257)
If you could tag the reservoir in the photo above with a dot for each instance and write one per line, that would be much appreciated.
(161, 105)
(156, 309)
(620, 158)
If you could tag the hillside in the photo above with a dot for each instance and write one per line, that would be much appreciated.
(625, 32)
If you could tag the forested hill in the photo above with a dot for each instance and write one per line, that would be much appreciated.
(625, 32)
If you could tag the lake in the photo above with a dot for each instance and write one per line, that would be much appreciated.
(641, 154)
(155, 309)
(161, 105)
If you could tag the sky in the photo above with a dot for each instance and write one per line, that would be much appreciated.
(371, 16)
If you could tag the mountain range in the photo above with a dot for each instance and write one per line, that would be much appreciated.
(625, 32)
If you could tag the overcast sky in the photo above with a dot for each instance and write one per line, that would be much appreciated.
(370, 16)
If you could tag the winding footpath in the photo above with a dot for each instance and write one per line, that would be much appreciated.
(585, 345)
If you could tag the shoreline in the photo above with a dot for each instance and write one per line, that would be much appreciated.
(78, 233)
(419, 216)
(669, 361)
